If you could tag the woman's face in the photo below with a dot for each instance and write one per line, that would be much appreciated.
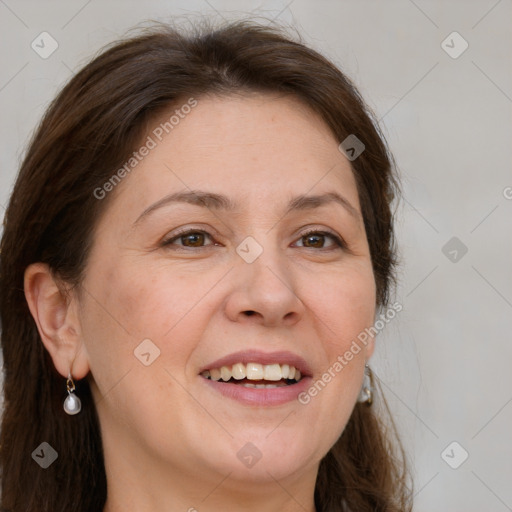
(247, 178)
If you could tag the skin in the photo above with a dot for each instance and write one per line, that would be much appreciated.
(170, 441)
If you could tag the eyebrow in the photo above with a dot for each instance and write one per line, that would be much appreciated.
(214, 201)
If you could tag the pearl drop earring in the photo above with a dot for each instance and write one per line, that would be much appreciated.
(366, 393)
(72, 404)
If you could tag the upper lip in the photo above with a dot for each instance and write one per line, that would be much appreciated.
(256, 356)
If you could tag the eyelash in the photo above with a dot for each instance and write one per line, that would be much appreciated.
(339, 242)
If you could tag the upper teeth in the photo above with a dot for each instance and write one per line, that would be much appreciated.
(253, 371)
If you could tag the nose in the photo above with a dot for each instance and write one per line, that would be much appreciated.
(264, 292)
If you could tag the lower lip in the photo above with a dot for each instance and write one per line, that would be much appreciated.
(259, 396)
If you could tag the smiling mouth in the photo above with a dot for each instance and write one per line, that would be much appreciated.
(255, 375)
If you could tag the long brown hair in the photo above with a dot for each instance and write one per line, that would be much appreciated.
(87, 133)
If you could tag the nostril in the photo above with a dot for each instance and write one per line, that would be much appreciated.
(250, 313)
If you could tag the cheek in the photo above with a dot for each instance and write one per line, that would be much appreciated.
(344, 306)
(144, 302)
(344, 302)
(127, 304)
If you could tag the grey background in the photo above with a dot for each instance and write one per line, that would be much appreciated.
(445, 360)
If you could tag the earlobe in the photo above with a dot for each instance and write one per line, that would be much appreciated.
(55, 315)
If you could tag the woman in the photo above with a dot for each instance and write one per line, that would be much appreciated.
(196, 248)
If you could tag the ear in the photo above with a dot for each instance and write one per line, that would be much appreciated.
(55, 312)
(370, 348)
(370, 342)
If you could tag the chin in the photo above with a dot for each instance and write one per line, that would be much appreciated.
(265, 471)
(266, 456)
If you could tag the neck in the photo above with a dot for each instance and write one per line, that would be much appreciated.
(135, 491)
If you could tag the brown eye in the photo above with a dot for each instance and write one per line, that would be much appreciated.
(320, 240)
(193, 240)
(316, 241)
(189, 239)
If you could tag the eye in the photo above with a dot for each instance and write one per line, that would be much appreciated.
(313, 239)
(316, 240)
(191, 238)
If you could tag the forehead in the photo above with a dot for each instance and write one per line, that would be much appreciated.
(256, 148)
